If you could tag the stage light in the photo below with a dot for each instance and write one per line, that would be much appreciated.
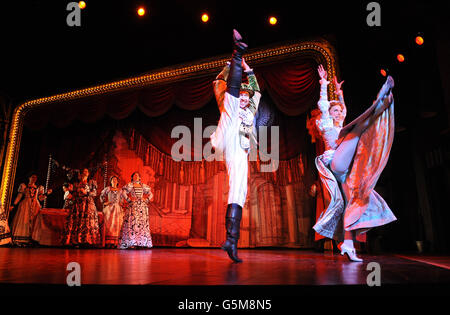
(141, 11)
(273, 20)
(82, 4)
(205, 17)
(419, 40)
(400, 58)
(383, 72)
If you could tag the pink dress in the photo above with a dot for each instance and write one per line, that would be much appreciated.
(358, 207)
(113, 214)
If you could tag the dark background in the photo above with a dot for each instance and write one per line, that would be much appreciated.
(41, 56)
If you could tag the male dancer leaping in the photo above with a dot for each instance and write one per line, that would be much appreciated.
(238, 106)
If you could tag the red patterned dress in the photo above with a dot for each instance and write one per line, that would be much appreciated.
(82, 223)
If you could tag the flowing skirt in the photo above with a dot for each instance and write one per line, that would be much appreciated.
(22, 226)
(113, 214)
(136, 226)
(353, 204)
(82, 224)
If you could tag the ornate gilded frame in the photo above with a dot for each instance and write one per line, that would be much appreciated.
(321, 50)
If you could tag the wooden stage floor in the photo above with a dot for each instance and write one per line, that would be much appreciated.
(171, 267)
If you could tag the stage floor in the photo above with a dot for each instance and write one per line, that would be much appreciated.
(193, 267)
(173, 276)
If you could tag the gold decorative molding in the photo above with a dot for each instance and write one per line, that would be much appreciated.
(319, 50)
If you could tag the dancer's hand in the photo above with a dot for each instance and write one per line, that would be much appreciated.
(338, 85)
(323, 74)
(245, 65)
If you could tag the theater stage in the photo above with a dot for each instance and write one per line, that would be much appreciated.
(165, 270)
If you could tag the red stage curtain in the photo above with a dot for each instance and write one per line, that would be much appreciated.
(292, 85)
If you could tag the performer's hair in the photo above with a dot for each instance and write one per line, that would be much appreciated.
(135, 173)
(336, 103)
(114, 176)
(67, 184)
(311, 124)
(31, 173)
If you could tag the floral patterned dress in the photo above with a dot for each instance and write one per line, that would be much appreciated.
(113, 214)
(136, 225)
(29, 206)
(82, 223)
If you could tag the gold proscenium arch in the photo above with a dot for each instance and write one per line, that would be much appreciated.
(320, 50)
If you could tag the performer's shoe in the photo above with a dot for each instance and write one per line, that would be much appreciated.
(350, 253)
(232, 225)
(240, 46)
(235, 75)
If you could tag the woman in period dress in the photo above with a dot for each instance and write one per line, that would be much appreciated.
(354, 157)
(136, 226)
(112, 212)
(28, 200)
(82, 227)
(68, 196)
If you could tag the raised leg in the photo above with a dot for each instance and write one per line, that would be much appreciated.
(235, 75)
(345, 152)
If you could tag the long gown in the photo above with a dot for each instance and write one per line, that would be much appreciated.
(113, 214)
(353, 204)
(82, 223)
(29, 206)
(136, 226)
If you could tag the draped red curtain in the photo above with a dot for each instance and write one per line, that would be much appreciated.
(292, 85)
(85, 132)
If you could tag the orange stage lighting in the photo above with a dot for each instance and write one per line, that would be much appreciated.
(400, 58)
(205, 17)
(82, 4)
(419, 40)
(383, 72)
(273, 20)
(141, 11)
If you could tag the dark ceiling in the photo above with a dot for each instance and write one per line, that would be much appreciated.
(42, 56)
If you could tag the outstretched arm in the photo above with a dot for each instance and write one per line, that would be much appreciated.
(340, 94)
(220, 85)
(323, 103)
(253, 82)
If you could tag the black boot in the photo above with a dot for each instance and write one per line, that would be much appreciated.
(235, 76)
(232, 225)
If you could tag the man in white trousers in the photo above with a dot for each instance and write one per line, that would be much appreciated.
(238, 103)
